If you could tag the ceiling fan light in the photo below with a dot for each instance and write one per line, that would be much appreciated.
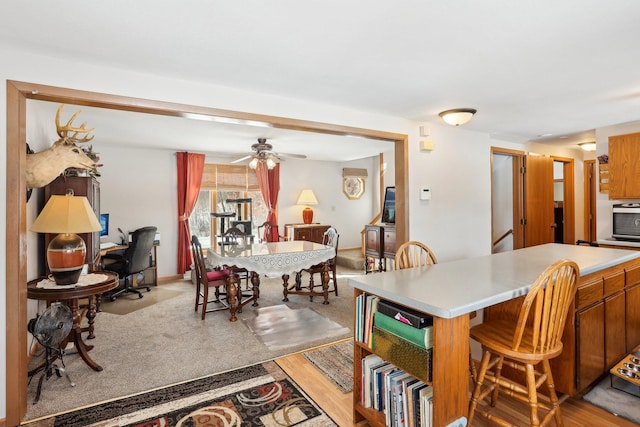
(457, 116)
(253, 163)
(270, 163)
(588, 146)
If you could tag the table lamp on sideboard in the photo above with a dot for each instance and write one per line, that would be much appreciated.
(307, 198)
(66, 215)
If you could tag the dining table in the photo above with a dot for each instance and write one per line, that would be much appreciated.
(274, 259)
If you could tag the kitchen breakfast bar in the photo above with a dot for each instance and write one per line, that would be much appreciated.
(495, 284)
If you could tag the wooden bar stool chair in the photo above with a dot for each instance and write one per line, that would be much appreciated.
(531, 341)
(414, 254)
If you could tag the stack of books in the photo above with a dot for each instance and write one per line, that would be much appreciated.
(404, 399)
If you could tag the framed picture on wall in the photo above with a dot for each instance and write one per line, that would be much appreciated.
(353, 187)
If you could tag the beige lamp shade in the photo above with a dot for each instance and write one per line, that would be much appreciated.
(307, 198)
(66, 215)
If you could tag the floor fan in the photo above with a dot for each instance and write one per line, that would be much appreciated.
(50, 329)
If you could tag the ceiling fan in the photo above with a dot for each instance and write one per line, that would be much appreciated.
(263, 152)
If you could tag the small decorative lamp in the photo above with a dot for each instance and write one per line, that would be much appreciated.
(66, 215)
(307, 198)
(457, 116)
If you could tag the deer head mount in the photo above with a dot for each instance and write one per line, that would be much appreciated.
(44, 166)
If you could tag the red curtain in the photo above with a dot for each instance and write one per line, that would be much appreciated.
(190, 167)
(269, 182)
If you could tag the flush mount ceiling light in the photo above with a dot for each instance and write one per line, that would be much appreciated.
(457, 116)
(588, 146)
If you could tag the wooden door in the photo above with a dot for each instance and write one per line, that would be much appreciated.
(538, 197)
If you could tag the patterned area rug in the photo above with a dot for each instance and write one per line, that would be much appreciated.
(336, 363)
(259, 395)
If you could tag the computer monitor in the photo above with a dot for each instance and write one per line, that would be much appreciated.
(389, 206)
(104, 223)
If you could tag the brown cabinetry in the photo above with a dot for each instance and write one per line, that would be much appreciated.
(308, 232)
(624, 166)
(380, 244)
(81, 186)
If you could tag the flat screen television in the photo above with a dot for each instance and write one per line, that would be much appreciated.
(389, 206)
(104, 223)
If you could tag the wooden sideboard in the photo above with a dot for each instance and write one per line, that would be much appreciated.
(309, 232)
(380, 244)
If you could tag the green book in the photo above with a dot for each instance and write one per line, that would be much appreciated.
(420, 337)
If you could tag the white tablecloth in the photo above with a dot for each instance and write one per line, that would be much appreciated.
(272, 259)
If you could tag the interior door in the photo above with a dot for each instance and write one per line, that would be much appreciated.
(538, 199)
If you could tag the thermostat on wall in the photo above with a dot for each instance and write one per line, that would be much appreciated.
(425, 194)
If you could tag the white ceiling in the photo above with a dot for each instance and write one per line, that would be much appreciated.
(530, 68)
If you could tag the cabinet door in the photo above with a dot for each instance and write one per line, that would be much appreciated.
(373, 241)
(590, 346)
(633, 317)
(303, 234)
(614, 308)
(389, 242)
(624, 166)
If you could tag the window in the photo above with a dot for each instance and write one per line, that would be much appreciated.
(221, 183)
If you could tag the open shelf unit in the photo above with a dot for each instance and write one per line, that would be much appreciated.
(449, 371)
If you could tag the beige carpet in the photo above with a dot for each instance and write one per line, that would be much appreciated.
(167, 343)
(128, 303)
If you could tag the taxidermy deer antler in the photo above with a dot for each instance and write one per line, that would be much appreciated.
(44, 166)
(63, 131)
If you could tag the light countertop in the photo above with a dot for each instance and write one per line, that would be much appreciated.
(451, 289)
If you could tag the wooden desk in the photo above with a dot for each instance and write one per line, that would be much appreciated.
(152, 269)
(69, 296)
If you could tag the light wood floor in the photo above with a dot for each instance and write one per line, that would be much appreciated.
(338, 405)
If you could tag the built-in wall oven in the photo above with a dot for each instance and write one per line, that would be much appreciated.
(626, 221)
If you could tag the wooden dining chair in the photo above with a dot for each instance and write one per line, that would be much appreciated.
(268, 232)
(235, 240)
(208, 279)
(523, 344)
(414, 254)
(330, 238)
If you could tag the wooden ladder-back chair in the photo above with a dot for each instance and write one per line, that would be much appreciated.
(330, 238)
(206, 280)
(268, 232)
(235, 239)
(414, 254)
(523, 344)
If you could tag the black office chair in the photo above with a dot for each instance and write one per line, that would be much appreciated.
(134, 260)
